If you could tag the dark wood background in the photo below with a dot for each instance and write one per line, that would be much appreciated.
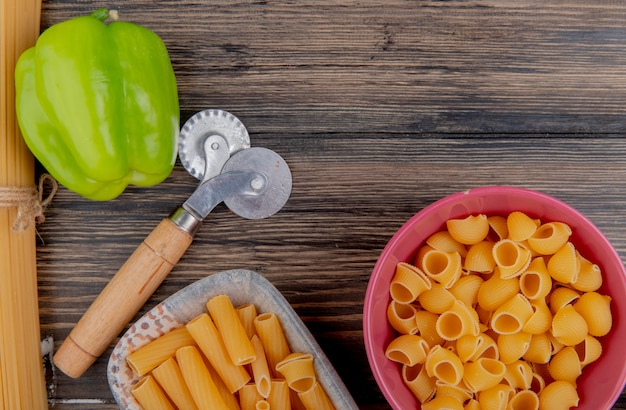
(380, 108)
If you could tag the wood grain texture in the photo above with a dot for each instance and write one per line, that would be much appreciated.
(379, 108)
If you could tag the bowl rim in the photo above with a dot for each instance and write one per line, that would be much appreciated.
(370, 345)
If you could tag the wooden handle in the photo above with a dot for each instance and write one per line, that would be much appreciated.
(122, 298)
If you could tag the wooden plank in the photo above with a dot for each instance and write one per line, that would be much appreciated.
(395, 66)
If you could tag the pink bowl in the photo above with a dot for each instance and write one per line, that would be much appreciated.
(601, 382)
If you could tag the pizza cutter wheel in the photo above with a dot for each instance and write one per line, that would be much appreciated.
(253, 182)
(208, 139)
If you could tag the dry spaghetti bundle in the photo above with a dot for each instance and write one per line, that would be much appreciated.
(22, 384)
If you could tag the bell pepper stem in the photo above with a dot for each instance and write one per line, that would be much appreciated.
(103, 14)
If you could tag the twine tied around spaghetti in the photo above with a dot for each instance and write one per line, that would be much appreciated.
(29, 201)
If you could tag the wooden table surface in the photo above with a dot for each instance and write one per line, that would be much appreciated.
(379, 108)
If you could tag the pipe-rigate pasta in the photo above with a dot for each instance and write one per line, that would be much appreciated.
(554, 343)
(558, 395)
(496, 290)
(443, 402)
(498, 227)
(402, 318)
(466, 289)
(512, 347)
(564, 265)
(437, 299)
(512, 315)
(589, 276)
(565, 365)
(473, 404)
(443, 241)
(550, 237)
(568, 326)
(472, 348)
(484, 315)
(496, 397)
(536, 311)
(536, 282)
(532, 252)
(419, 382)
(444, 365)
(519, 375)
(408, 283)
(442, 267)
(539, 349)
(483, 374)
(520, 226)
(541, 319)
(512, 258)
(538, 383)
(459, 320)
(427, 325)
(458, 392)
(408, 350)
(524, 400)
(469, 230)
(450, 345)
(589, 350)
(479, 257)
(596, 310)
(419, 256)
(561, 297)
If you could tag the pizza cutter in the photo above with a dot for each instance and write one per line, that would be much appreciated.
(253, 182)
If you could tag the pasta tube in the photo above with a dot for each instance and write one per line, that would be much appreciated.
(169, 377)
(149, 356)
(315, 398)
(270, 332)
(260, 370)
(235, 338)
(297, 369)
(248, 396)
(246, 314)
(148, 393)
(229, 398)
(279, 395)
(211, 344)
(199, 380)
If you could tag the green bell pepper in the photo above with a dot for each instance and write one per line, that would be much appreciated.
(97, 105)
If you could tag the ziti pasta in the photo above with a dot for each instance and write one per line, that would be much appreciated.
(497, 312)
(229, 357)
